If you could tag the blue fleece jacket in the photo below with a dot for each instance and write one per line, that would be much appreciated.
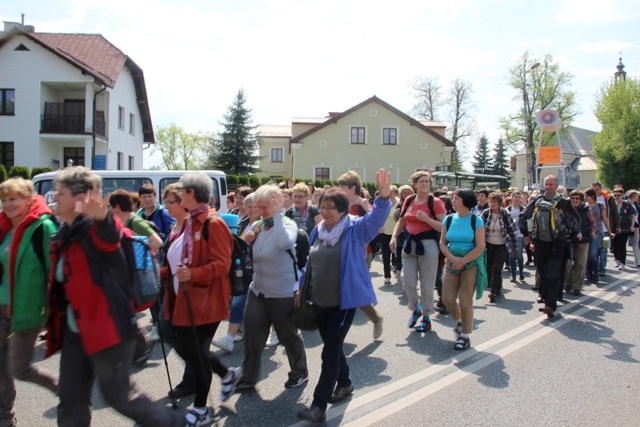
(356, 288)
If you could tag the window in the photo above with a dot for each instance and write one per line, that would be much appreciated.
(7, 102)
(73, 156)
(357, 135)
(277, 155)
(120, 161)
(389, 136)
(6, 154)
(121, 118)
(132, 163)
(323, 173)
(132, 124)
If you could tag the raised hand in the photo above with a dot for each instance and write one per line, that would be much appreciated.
(383, 180)
(95, 206)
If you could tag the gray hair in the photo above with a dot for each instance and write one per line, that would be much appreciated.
(78, 179)
(249, 199)
(266, 192)
(200, 183)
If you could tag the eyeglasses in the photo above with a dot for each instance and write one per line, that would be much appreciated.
(617, 194)
(327, 208)
(168, 203)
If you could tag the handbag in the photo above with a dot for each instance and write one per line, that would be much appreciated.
(606, 242)
(302, 316)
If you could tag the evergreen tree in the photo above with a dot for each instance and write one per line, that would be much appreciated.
(501, 162)
(236, 147)
(482, 162)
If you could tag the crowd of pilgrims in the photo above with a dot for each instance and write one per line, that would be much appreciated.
(445, 247)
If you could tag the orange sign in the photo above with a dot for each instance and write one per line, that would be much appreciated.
(549, 156)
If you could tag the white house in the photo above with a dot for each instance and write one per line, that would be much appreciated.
(70, 99)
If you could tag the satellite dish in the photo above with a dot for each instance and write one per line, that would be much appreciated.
(547, 117)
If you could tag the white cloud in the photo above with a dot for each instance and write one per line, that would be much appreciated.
(606, 46)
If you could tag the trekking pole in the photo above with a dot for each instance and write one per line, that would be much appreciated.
(174, 402)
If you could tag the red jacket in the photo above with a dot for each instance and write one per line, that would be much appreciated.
(95, 283)
(209, 289)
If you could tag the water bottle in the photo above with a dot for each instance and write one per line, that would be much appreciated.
(239, 280)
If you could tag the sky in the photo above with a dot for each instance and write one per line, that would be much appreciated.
(304, 58)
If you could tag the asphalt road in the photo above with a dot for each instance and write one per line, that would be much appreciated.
(580, 368)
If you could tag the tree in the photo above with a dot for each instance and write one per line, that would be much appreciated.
(457, 105)
(482, 162)
(616, 145)
(500, 162)
(180, 150)
(427, 92)
(236, 147)
(459, 101)
(541, 86)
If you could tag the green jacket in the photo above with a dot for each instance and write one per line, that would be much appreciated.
(28, 275)
(480, 262)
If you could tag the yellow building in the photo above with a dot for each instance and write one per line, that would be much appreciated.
(364, 138)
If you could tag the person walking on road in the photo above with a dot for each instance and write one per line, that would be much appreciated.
(554, 222)
(462, 242)
(340, 283)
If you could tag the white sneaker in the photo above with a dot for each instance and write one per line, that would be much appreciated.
(398, 274)
(621, 267)
(225, 343)
(239, 335)
(273, 340)
(387, 280)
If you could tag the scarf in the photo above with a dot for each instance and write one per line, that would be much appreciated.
(187, 251)
(330, 238)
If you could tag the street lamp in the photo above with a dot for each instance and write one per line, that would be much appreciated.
(527, 135)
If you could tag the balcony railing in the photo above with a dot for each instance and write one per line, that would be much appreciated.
(70, 124)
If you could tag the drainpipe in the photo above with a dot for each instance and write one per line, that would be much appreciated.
(93, 131)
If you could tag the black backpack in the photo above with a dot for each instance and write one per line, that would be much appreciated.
(302, 251)
(243, 253)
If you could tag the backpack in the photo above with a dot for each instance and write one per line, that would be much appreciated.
(144, 270)
(241, 270)
(449, 218)
(548, 220)
(410, 200)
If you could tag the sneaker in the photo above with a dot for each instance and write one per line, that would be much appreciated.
(225, 343)
(387, 280)
(341, 393)
(548, 311)
(425, 326)
(621, 267)
(415, 316)
(602, 273)
(377, 329)
(576, 292)
(229, 385)
(398, 274)
(239, 335)
(522, 277)
(296, 382)
(196, 419)
(273, 340)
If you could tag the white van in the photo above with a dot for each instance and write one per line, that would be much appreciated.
(133, 180)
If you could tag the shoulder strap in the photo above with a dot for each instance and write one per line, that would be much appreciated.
(205, 227)
(474, 218)
(36, 240)
(406, 204)
(430, 204)
(447, 221)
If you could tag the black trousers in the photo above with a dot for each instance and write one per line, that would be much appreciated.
(549, 258)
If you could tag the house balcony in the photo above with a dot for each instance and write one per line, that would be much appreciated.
(72, 124)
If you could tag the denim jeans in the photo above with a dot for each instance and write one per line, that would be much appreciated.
(333, 325)
(593, 263)
(518, 258)
(602, 256)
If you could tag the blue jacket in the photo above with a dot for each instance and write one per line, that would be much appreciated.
(356, 288)
(161, 219)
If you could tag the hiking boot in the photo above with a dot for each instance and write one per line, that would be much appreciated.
(341, 393)
(313, 414)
